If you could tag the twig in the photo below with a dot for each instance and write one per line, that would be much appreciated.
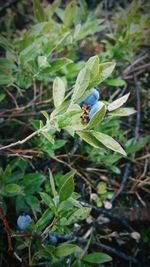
(12, 97)
(123, 183)
(7, 229)
(20, 142)
(27, 234)
(73, 169)
(142, 67)
(109, 215)
(138, 60)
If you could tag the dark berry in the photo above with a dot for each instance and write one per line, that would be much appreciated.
(23, 221)
(53, 239)
(92, 98)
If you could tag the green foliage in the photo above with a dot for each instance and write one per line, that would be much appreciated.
(97, 257)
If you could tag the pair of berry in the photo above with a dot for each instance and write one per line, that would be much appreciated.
(91, 105)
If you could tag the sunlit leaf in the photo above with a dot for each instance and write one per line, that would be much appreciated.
(105, 69)
(121, 112)
(109, 142)
(70, 13)
(81, 84)
(58, 91)
(118, 103)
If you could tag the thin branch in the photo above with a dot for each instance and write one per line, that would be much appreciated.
(7, 229)
(109, 214)
(20, 142)
(123, 183)
(73, 169)
(12, 97)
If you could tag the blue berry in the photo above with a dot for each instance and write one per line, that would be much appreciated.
(53, 240)
(23, 221)
(57, 200)
(92, 98)
(95, 108)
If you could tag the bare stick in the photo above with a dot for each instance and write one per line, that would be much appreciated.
(7, 229)
(20, 142)
(123, 183)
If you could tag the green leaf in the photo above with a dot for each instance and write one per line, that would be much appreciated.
(101, 188)
(64, 250)
(133, 146)
(105, 69)
(33, 202)
(6, 79)
(24, 79)
(67, 189)
(48, 136)
(96, 139)
(81, 84)
(88, 137)
(116, 82)
(32, 181)
(38, 11)
(42, 62)
(97, 257)
(109, 142)
(98, 116)
(71, 116)
(122, 112)
(70, 13)
(61, 109)
(61, 179)
(44, 220)
(6, 44)
(6, 65)
(59, 63)
(83, 10)
(78, 215)
(93, 65)
(118, 103)
(12, 189)
(58, 91)
(89, 28)
(52, 8)
(46, 198)
(45, 114)
(52, 184)
(2, 96)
